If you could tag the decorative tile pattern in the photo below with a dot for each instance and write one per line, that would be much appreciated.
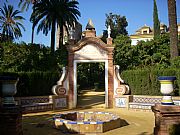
(146, 100)
(145, 103)
(86, 122)
(120, 102)
(36, 104)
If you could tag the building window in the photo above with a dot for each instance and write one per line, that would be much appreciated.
(145, 32)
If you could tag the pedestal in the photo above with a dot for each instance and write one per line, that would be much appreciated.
(166, 116)
(11, 121)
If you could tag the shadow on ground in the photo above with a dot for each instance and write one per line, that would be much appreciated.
(132, 123)
(37, 124)
(145, 133)
(90, 98)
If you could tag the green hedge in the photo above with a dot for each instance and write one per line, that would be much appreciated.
(141, 82)
(35, 83)
(145, 82)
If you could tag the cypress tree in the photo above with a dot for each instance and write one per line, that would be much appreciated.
(156, 21)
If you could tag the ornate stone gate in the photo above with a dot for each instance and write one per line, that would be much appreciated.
(89, 49)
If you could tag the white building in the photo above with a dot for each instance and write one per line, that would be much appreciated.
(145, 33)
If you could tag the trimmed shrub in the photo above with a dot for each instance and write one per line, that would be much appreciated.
(145, 82)
(174, 129)
(35, 83)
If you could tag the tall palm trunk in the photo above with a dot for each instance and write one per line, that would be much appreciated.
(61, 35)
(53, 36)
(32, 34)
(173, 28)
(58, 37)
(33, 25)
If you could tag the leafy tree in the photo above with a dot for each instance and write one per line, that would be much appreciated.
(173, 28)
(90, 73)
(61, 56)
(154, 53)
(48, 14)
(31, 57)
(123, 52)
(175, 63)
(10, 22)
(156, 21)
(117, 23)
(13, 57)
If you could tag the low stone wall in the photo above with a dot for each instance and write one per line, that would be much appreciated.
(42, 103)
(140, 102)
(52, 102)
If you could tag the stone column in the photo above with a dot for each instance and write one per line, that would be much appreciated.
(11, 121)
(109, 41)
(71, 81)
(165, 118)
(110, 81)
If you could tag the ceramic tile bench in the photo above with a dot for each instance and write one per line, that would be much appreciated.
(35, 104)
(143, 102)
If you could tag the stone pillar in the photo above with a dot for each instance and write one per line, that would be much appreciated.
(165, 117)
(90, 33)
(71, 81)
(11, 121)
(109, 41)
(110, 81)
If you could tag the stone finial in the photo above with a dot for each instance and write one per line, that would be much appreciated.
(109, 31)
(109, 39)
(90, 25)
(90, 29)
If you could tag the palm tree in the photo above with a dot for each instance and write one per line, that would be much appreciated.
(24, 4)
(48, 14)
(11, 22)
(173, 28)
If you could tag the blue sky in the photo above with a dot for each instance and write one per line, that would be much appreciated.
(137, 12)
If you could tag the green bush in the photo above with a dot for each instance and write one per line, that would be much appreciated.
(145, 82)
(31, 57)
(34, 83)
(174, 129)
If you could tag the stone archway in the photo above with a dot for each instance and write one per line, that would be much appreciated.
(89, 49)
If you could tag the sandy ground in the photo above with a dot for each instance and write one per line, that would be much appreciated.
(137, 122)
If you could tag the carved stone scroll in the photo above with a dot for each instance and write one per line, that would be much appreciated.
(119, 87)
(60, 88)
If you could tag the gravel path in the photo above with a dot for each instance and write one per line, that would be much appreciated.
(136, 122)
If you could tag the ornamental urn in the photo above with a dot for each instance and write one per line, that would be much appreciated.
(166, 89)
(8, 86)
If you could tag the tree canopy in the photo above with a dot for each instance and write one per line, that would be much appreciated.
(117, 24)
(11, 22)
(48, 14)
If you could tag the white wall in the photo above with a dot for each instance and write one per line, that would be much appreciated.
(135, 41)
